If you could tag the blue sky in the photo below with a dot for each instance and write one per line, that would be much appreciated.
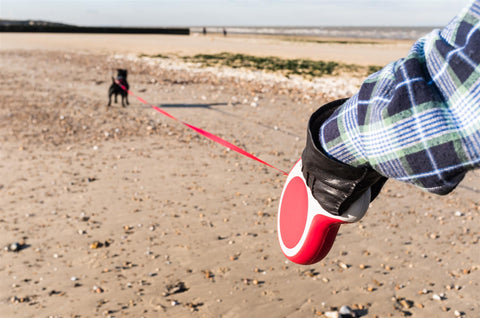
(235, 12)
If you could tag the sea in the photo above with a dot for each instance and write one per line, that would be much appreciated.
(364, 32)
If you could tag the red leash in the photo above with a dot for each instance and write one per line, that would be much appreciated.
(202, 132)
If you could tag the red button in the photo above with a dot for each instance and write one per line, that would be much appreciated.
(293, 212)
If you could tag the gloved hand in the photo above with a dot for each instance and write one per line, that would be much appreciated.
(334, 184)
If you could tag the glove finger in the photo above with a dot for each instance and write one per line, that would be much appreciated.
(376, 187)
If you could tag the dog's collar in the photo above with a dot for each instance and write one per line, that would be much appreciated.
(121, 79)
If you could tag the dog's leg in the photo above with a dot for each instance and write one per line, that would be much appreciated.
(126, 91)
(123, 101)
(109, 100)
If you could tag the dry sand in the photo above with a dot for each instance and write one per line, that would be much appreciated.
(124, 212)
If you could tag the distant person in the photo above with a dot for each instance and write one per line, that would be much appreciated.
(204, 31)
(417, 121)
(224, 32)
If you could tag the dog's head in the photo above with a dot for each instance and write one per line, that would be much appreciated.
(121, 74)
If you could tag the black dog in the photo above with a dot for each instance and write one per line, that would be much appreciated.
(115, 89)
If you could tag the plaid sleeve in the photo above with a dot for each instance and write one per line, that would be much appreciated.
(418, 119)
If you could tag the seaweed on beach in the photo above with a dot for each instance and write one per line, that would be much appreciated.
(270, 63)
(302, 67)
(160, 56)
(374, 68)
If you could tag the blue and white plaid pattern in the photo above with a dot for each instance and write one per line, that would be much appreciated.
(418, 119)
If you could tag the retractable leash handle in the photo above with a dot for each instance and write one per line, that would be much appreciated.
(306, 231)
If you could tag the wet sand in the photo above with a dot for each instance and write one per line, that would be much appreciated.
(362, 54)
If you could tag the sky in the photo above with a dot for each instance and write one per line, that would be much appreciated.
(162, 13)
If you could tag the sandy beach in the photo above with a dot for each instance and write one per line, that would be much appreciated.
(123, 212)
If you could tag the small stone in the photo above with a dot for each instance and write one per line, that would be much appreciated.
(97, 289)
(343, 265)
(331, 314)
(208, 274)
(346, 312)
(95, 245)
(407, 304)
(14, 247)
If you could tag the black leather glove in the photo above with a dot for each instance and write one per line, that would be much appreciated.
(334, 184)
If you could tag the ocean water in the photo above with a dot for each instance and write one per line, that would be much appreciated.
(374, 32)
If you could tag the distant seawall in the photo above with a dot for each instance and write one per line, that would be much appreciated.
(75, 29)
